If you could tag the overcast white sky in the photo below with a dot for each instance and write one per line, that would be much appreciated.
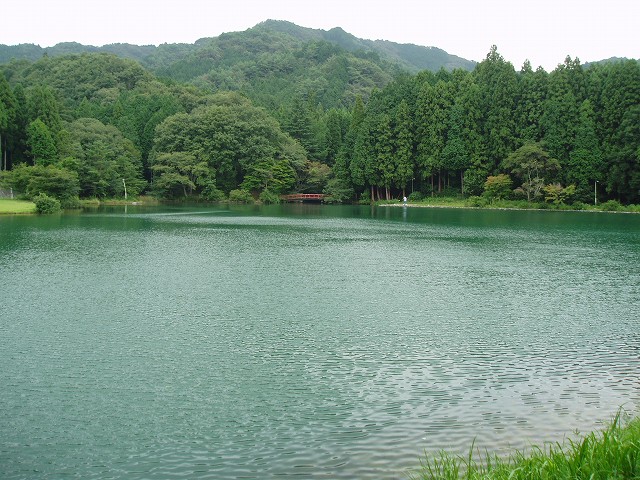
(544, 31)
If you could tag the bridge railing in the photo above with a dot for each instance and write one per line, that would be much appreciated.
(302, 196)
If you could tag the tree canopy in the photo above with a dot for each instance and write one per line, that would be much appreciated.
(308, 115)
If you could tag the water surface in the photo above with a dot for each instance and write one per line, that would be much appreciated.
(309, 341)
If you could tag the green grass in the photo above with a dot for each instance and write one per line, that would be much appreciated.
(483, 203)
(613, 454)
(8, 206)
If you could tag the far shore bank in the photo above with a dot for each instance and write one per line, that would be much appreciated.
(469, 207)
(25, 207)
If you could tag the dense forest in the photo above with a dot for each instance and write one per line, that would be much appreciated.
(276, 110)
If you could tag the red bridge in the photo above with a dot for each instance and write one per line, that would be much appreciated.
(303, 197)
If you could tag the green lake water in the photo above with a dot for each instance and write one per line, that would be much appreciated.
(306, 340)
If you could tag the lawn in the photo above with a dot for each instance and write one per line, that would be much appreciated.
(8, 206)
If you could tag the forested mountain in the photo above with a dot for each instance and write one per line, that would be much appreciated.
(271, 60)
(274, 110)
(410, 57)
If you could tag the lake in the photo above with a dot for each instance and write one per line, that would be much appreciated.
(306, 340)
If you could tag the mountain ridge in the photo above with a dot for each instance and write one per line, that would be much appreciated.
(410, 57)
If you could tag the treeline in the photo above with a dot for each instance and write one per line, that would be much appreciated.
(535, 131)
(93, 125)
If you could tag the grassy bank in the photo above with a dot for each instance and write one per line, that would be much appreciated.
(611, 454)
(480, 202)
(96, 202)
(9, 206)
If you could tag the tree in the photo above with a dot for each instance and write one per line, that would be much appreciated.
(33, 180)
(403, 151)
(42, 104)
(180, 173)
(498, 187)
(235, 140)
(455, 155)
(531, 164)
(561, 110)
(338, 190)
(337, 122)
(432, 113)
(585, 160)
(343, 168)
(532, 94)
(42, 146)
(558, 195)
(102, 157)
(8, 114)
(498, 87)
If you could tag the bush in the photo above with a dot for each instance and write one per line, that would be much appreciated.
(70, 203)
(338, 191)
(579, 206)
(46, 204)
(268, 197)
(240, 196)
(213, 194)
(475, 201)
(498, 187)
(633, 208)
(415, 196)
(611, 206)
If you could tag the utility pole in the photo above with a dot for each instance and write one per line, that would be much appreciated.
(125, 189)
(595, 192)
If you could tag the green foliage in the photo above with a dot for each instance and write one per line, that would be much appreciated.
(269, 197)
(531, 164)
(33, 180)
(102, 158)
(46, 204)
(338, 191)
(498, 187)
(182, 174)
(108, 119)
(71, 203)
(611, 206)
(476, 201)
(315, 177)
(415, 196)
(557, 194)
(240, 196)
(236, 141)
(211, 193)
(42, 146)
(610, 454)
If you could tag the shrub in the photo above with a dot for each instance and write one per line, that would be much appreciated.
(415, 196)
(475, 201)
(579, 206)
(240, 196)
(212, 193)
(338, 191)
(70, 203)
(46, 204)
(268, 197)
(498, 187)
(611, 206)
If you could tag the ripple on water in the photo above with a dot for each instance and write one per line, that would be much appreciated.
(216, 345)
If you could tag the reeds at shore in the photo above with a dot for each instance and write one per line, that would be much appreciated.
(612, 454)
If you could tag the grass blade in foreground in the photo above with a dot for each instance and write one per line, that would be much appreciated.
(611, 454)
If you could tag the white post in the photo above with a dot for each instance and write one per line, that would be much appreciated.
(125, 189)
(595, 192)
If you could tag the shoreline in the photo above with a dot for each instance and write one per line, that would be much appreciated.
(424, 205)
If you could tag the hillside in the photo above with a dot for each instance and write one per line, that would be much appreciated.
(407, 56)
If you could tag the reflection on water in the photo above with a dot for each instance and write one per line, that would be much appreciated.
(303, 340)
